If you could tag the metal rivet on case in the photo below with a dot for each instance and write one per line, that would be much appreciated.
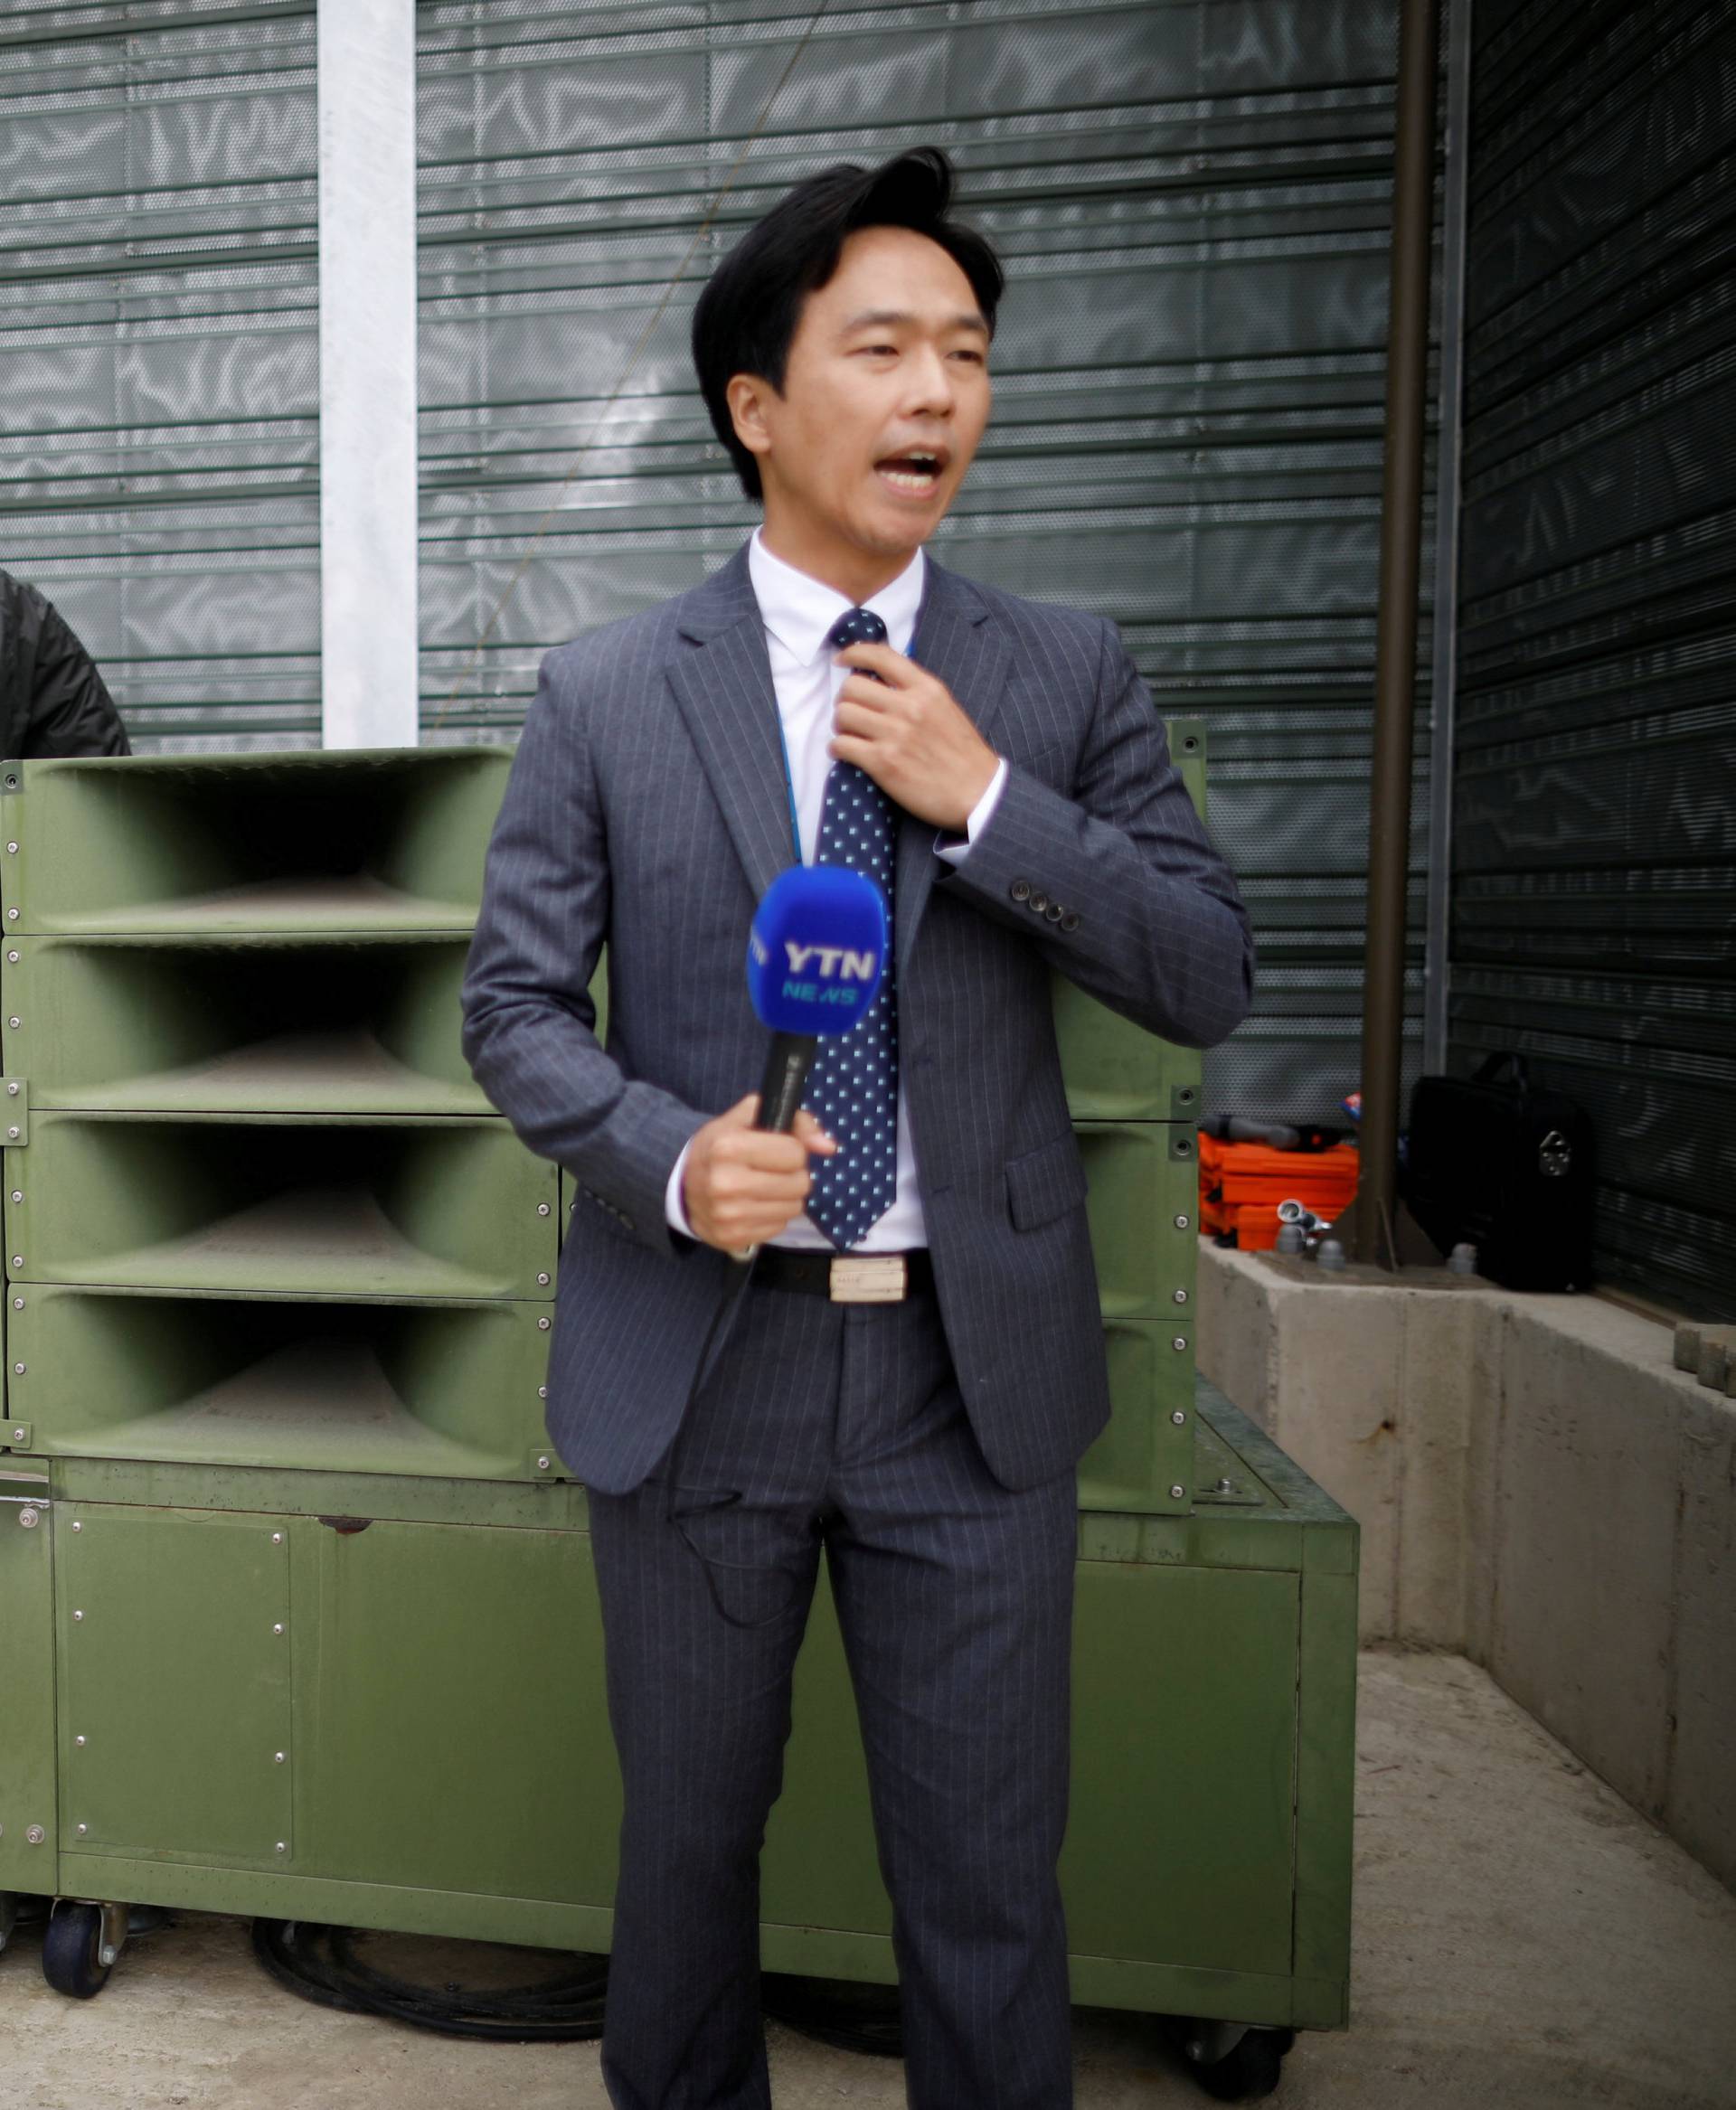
(541, 1208)
(1181, 1223)
(544, 1280)
(1179, 1419)
(1179, 1343)
(1178, 1494)
(542, 1325)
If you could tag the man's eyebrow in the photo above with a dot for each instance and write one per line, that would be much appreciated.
(881, 318)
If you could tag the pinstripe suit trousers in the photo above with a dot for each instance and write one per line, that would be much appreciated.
(840, 1427)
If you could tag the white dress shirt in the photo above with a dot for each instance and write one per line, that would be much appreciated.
(799, 612)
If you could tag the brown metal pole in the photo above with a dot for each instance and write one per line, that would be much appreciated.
(1395, 654)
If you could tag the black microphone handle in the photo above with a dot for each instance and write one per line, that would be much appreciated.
(789, 1061)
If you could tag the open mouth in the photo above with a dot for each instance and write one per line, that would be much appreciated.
(917, 471)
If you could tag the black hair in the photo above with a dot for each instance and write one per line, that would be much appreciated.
(746, 317)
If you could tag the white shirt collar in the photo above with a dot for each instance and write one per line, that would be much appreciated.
(798, 610)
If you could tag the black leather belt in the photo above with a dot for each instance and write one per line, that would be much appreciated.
(847, 1279)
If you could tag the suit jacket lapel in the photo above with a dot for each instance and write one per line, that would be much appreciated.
(722, 680)
(955, 641)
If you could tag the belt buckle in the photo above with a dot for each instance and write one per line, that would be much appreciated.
(869, 1279)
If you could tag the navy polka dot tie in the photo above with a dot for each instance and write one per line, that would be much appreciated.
(853, 1086)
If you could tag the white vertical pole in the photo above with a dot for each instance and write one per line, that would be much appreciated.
(367, 371)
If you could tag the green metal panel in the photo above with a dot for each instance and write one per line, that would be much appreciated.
(1143, 1180)
(549, 1503)
(349, 1384)
(372, 841)
(1180, 1845)
(289, 1025)
(1115, 1071)
(28, 1801)
(175, 1715)
(451, 1770)
(1143, 1460)
(446, 1208)
(453, 1732)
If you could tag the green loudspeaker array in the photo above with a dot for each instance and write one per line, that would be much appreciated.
(1135, 1102)
(258, 1213)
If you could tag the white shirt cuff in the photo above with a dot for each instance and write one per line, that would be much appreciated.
(673, 1209)
(954, 849)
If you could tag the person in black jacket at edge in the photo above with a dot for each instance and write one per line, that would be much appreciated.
(52, 701)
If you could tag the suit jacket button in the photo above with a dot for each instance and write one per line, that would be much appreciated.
(1055, 912)
(1070, 921)
(1038, 903)
(1020, 889)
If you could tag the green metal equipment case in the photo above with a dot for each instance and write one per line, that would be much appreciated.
(299, 1611)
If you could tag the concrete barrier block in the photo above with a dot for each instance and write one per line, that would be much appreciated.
(1236, 1332)
(1437, 1399)
(1585, 1554)
(1340, 1392)
(1701, 1804)
(1484, 1436)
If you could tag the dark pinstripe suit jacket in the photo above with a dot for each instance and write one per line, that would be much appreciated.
(647, 808)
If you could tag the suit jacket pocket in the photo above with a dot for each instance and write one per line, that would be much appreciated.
(1045, 1184)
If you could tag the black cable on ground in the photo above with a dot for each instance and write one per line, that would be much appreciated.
(320, 1963)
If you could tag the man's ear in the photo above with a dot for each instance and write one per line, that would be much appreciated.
(746, 395)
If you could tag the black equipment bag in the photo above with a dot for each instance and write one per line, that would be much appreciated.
(1508, 1168)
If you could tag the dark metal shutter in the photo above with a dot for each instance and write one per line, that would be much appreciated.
(1595, 871)
(1193, 202)
(159, 420)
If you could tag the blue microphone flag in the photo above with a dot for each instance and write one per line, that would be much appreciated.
(816, 949)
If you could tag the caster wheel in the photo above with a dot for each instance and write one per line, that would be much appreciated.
(1250, 2071)
(72, 1951)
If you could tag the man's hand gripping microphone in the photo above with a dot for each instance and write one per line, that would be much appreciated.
(814, 958)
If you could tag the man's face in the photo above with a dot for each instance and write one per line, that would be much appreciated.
(885, 396)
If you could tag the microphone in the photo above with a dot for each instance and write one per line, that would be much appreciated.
(815, 952)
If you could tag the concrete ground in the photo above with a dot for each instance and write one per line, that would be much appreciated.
(1522, 1938)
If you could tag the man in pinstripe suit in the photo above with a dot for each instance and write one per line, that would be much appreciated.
(910, 1393)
